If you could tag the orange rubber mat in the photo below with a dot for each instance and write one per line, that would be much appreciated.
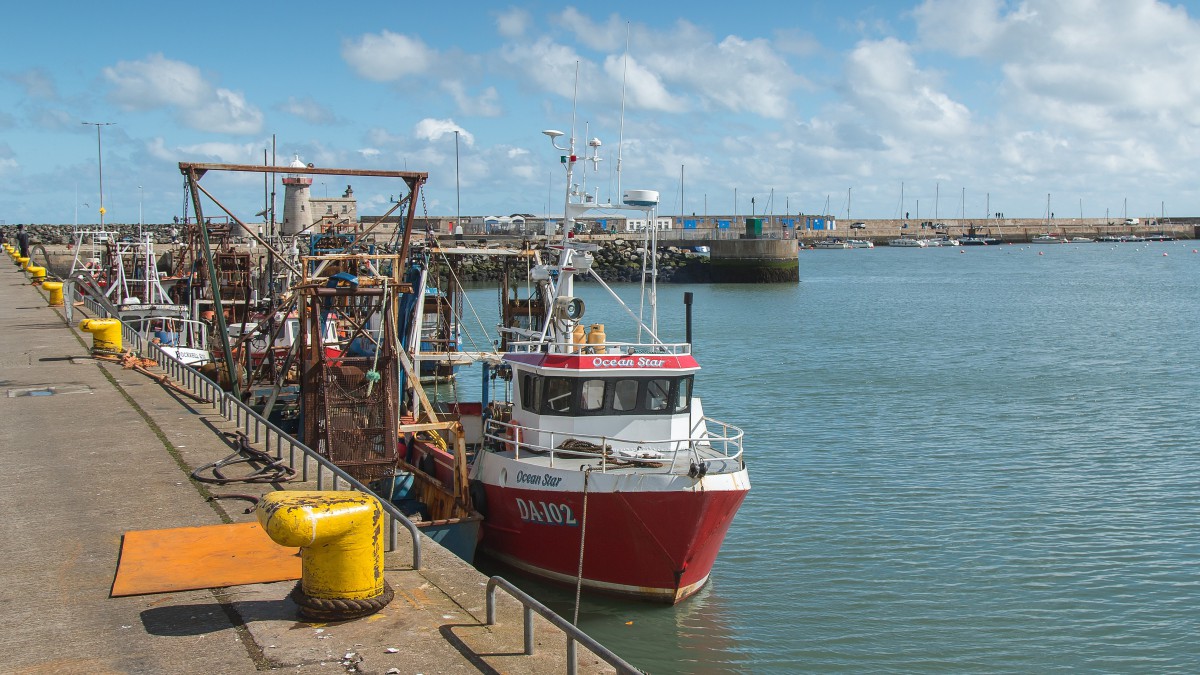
(188, 558)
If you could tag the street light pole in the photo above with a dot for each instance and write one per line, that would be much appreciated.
(141, 220)
(100, 164)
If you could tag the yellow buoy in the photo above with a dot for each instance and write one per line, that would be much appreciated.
(106, 334)
(55, 289)
(340, 535)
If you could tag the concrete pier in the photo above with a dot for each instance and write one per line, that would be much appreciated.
(91, 450)
(754, 260)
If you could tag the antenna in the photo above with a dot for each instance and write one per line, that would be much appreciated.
(621, 131)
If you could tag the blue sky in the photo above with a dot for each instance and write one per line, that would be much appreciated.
(984, 104)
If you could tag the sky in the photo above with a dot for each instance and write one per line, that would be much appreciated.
(855, 109)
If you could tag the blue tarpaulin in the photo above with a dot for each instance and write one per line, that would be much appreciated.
(723, 224)
(689, 224)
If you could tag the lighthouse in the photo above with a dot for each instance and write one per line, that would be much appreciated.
(297, 212)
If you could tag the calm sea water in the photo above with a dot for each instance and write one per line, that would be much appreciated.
(986, 461)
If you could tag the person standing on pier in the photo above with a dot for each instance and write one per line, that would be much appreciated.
(23, 241)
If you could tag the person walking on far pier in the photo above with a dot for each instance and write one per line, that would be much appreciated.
(23, 241)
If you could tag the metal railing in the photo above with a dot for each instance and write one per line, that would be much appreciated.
(256, 427)
(607, 350)
(574, 635)
(260, 430)
(725, 445)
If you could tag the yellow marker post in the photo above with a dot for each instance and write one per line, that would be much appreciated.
(340, 535)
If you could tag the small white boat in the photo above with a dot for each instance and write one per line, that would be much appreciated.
(907, 242)
(859, 243)
(1081, 240)
(1048, 239)
(831, 244)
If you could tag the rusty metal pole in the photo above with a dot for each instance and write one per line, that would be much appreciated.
(215, 284)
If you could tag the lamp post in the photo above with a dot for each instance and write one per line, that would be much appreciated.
(100, 164)
(141, 220)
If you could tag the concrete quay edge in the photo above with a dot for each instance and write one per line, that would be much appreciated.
(111, 451)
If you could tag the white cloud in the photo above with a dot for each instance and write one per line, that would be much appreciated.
(432, 130)
(735, 74)
(885, 83)
(308, 109)
(157, 148)
(387, 56)
(513, 23)
(673, 70)
(609, 36)
(223, 153)
(158, 82)
(369, 152)
(1078, 63)
(486, 104)
(53, 119)
(550, 66)
(225, 112)
(643, 88)
(37, 82)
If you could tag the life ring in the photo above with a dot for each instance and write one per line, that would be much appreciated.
(513, 434)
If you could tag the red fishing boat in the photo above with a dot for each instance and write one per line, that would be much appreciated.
(597, 465)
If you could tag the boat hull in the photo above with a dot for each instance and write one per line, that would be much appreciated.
(650, 536)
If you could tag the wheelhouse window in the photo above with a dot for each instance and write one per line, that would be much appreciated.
(591, 396)
(553, 395)
(658, 393)
(625, 395)
(683, 394)
(559, 395)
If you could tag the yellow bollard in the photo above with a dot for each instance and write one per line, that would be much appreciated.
(106, 334)
(55, 289)
(37, 274)
(340, 535)
(22, 261)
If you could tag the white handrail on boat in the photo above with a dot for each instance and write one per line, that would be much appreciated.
(725, 445)
(605, 348)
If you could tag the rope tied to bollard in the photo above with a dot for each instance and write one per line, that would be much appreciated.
(339, 609)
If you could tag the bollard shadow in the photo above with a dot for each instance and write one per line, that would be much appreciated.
(194, 619)
(469, 654)
(37, 326)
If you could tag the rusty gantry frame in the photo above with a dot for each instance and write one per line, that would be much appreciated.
(349, 397)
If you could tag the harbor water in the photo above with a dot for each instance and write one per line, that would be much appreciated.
(975, 461)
